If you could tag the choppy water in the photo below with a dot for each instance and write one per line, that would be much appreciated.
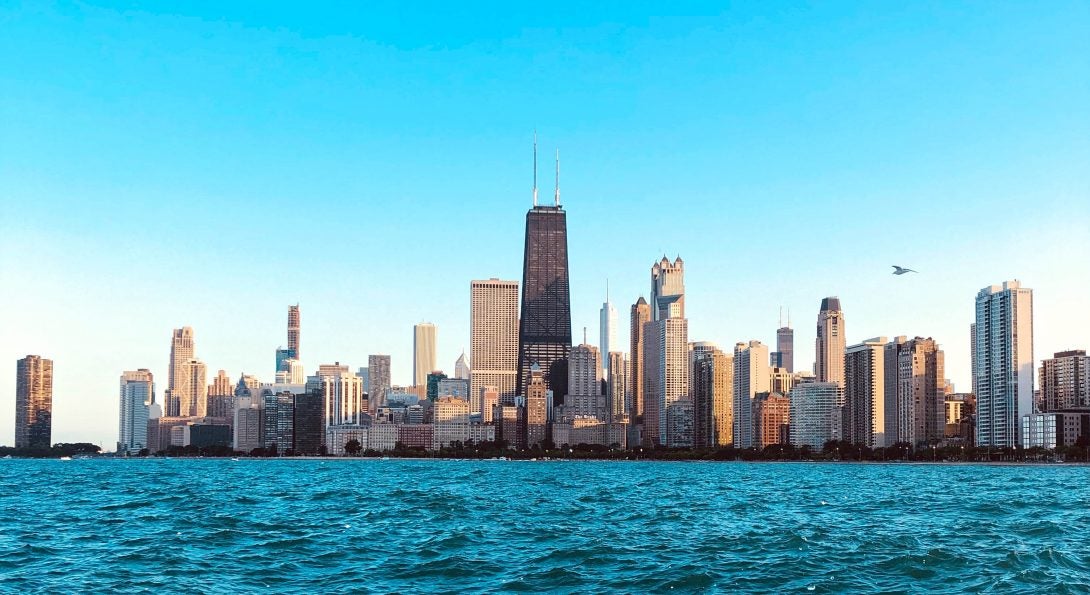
(221, 526)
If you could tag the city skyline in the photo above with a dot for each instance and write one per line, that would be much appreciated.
(1004, 169)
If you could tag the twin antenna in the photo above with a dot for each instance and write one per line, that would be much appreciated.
(556, 195)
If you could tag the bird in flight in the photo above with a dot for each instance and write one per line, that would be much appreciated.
(902, 270)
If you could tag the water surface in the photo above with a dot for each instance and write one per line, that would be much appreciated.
(222, 526)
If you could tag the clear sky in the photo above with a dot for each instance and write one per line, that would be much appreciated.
(197, 164)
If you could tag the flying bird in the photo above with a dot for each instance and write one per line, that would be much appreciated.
(902, 270)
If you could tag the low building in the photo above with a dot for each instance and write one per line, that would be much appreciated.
(1055, 430)
(416, 436)
(205, 435)
(336, 437)
(382, 437)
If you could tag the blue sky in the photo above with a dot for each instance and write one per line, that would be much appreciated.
(192, 164)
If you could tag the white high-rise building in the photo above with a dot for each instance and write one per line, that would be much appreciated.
(494, 338)
(378, 380)
(192, 388)
(343, 396)
(137, 395)
(462, 370)
(607, 333)
(815, 413)
(1003, 362)
(751, 377)
(423, 352)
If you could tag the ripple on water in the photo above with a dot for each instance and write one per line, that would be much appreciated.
(455, 526)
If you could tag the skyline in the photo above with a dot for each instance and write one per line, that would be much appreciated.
(756, 199)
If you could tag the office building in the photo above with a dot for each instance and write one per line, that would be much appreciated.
(640, 316)
(182, 350)
(784, 357)
(378, 368)
(679, 424)
(221, 397)
(137, 394)
(462, 371)
(489, 398)
(1003, 364)
(617, 385)
(666, 362)
(33, 402)
(545, 322)
(830, 344)
(751, 377)
(424, 336)
(454, 387)
(607, 332)
(494, 337)
(308, 429)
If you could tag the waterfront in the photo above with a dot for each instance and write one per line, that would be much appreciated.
(217, 525)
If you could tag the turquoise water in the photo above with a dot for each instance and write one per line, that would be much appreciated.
(221, 526)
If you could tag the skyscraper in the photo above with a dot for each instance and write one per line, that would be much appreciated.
(378, 375)
(713, 397)
(221, 396)
(536, 408)
(1065, 381)
(830, 344)
(1003, 362)
(293, 331)
(771, 419)
(607, 331)
(192, 388)
(668, 289)
(181, 351)
(700, 351)
(617, 385)
(921, 392)
(666, 356)
(494, 338)
(423, 352)
(641, 315)
(461, 367)
(785, 347)
(865, 393)
(545, 323)
(34, 402)
(751, 377)
(815, 413)
(137, 393)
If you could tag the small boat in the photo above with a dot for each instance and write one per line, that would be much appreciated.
(386, 458)
(234, 458)
(66, 458)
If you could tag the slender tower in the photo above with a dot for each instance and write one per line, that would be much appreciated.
(293, 330)
(545, 325)
(607, 329)
(829, 346)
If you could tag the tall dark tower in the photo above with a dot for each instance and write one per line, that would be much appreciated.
(545, 321)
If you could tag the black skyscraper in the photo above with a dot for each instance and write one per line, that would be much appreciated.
(545, 321)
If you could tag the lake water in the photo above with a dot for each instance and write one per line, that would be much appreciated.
(222, 526)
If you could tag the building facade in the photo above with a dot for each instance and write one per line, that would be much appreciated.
(34, 402)
(815, 413)
(137, 394)
(830, 343)
(424, 345)
(640, 316)
(1003, 364)
(494, 338)
(378, 372)
(865, 393)
(751, 377)
(1064, 381)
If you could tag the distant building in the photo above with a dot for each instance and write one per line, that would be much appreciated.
(815, 413)
(423, 352)
(1065, 381)
(182, 350)
(640, 316)
(34, 402)
(137, 393)
(536, 409)
(494, 337)
(921, 396)
(772, 419)
(418, 436)
(865, 393)
(510, 422)
(1003, 364)
(454, 387)
(221, 397)
(247, 423)
(830, 344)
(607, 333)
(751, 377)
(378, 367)
(489, 397)
(337, 437)
(308, 427)
(462, 370)
(679, 424)
(785, 348)
(344, 399)
(617, 385)
(451, 422)
(279, 433)
(204, 434)
(713, 398)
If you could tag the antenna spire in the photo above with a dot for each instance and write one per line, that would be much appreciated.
(584, 335)
(556, 198)
(535, 168)
(607, 290)
(781, 316)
